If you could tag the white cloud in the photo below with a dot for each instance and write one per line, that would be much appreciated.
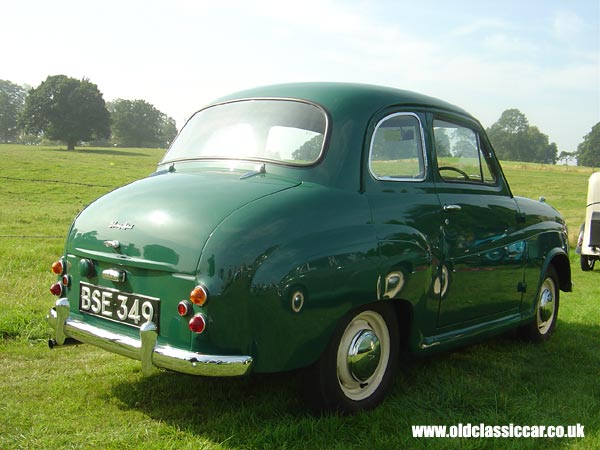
(510, 45)
(481, 26)
(567, 24)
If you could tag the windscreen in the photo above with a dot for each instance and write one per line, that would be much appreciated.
(285, 131)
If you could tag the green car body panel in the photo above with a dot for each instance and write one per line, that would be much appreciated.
(285, 251)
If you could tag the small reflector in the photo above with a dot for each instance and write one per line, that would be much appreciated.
(183, 308)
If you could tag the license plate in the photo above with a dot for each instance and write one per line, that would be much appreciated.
(122, 307)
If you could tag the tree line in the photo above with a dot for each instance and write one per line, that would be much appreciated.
(73, 111)
(514, 139)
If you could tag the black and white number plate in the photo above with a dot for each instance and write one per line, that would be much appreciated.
(122, 307)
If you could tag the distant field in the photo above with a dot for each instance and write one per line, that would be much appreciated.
(564, 187)
(81, 397)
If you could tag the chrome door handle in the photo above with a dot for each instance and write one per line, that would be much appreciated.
(451, 208)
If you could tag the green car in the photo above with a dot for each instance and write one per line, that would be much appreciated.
(321, 226)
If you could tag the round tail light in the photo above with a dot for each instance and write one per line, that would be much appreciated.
(197, 323)
(58, 268)
(66, 280)
(199, 295)
(184, 308)
(56, 289)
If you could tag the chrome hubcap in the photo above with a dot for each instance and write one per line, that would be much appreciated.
(546, 306)
(364, 355)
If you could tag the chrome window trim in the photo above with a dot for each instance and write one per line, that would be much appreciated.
(423, 152)
(485, 157)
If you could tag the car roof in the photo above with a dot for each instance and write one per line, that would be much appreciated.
(352, 108)
(339, 96)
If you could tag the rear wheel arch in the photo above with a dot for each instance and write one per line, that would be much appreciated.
(403, 310)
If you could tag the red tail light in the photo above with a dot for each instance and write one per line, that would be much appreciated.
(197, 323)
(66, 280)
(184, 308)
(56, 289)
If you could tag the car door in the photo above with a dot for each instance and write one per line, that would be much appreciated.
(483, 252)
(405, 209)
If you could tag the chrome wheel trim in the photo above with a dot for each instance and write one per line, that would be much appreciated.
(363, 355)
(546, 308)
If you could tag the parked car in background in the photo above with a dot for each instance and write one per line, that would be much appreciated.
(320, 226)
(588, 243)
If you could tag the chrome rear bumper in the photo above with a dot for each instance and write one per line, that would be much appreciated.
(144, 349)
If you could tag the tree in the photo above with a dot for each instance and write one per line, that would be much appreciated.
(466, 143)
(512, 121)
(515, 140)
(66, 109)
(12, 98)
(168, 131)
(442, 142)
(539, 148)
(508, 135)
(588, 151)
(137, 123)
(309, 151)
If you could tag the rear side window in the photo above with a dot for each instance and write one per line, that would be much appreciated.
(396, 151)
(460, 156)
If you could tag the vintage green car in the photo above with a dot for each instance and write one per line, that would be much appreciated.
(321, 226)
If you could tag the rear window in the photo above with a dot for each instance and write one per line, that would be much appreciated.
(284, 131)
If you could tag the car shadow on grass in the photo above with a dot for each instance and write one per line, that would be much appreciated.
(498, 382)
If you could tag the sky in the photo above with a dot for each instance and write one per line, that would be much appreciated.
(539, 56)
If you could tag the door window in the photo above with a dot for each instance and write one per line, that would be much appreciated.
(460, 156)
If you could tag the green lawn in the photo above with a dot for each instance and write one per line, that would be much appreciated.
(82, 397)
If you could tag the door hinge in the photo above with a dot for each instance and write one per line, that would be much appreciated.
(522, 287)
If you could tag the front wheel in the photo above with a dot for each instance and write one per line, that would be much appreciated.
(358, 366)
(546, 309)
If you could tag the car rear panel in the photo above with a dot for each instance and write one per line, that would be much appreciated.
(132, 255)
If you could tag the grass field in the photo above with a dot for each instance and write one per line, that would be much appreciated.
(81, 397)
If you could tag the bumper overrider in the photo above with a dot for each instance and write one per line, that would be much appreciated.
(69, 330)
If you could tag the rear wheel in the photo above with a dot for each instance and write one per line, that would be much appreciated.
(587, 262)
(546, 309)
(357, 368)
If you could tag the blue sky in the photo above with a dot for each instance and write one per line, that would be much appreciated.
(542, 57)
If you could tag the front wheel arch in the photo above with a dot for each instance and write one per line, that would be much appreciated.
(559, 261)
